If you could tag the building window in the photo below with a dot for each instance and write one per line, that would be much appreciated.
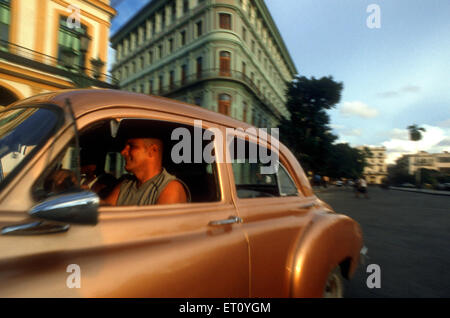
(253, 46)
(198, 100)
(225, 21)
(170, 45)
(199, 28)
(133, 67)
(174, 12)
(225, 104)
(172, 80)
(225, 63)
(183, 37)
(163, 19)
(160, 89)
(183, 74)
(185, 6)
(244, 112)
(69, 44)
(5, 16)
(150, 86)
(142, 62)
(199, 67)
(150, 57)
(244, 34)
(160, 51)
(244, 69)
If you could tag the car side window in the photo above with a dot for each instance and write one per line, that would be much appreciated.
(103, 167)
(252, 182)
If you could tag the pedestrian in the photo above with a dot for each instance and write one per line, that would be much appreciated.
(362, 187)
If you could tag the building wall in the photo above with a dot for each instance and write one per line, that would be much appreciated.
(34, 26)
(376, 171)
(250, 40)
(423, 160)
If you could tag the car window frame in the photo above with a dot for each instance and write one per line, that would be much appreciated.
(281, 159)
(136, 112)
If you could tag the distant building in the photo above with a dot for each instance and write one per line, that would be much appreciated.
(376, 170)
(424, 160)
(43, 48)
(224, 55)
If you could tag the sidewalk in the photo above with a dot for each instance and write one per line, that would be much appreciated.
(425, 191)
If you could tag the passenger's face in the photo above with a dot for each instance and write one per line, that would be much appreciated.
(136, 154)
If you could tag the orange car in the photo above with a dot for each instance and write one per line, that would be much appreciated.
(243, 232)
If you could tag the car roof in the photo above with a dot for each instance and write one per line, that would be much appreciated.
(86, 100)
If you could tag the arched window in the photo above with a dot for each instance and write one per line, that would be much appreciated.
(225, 63)
(225, 104)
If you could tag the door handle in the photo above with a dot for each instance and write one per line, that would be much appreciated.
(230, 220)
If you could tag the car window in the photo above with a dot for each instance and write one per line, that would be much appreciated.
(103, 167)
(22, 130)
(253, 182)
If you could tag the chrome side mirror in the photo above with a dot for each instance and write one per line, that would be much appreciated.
(72, 208)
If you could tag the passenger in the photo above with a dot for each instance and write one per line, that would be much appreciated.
(151, 183)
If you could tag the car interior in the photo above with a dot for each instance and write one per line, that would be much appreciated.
(102, 142)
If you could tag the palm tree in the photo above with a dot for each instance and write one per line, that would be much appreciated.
(415, 134)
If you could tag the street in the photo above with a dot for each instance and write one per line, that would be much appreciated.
(408, 236)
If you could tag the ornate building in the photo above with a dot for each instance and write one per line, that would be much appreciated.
(46, 45)
(224, 55)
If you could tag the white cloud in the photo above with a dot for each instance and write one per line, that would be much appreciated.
(434, 140)
(444, 124)
(400, 92)
(358, 108)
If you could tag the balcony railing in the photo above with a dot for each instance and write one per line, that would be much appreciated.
(214, 74)
(24, 56)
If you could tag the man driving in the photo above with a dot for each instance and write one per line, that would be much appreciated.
(151, 183)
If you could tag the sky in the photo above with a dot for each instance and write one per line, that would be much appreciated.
(395, 73)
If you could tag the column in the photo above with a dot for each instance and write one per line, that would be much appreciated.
(168, 15)
(158, 20)
(179, 8)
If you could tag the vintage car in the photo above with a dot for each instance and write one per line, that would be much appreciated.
(243, 233)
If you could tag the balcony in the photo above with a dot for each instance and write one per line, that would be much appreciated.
(45, 63)
(217, 74)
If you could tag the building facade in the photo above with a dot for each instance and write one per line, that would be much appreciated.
(224, 55)
(376, 170)
(424, 160)
(46, 45)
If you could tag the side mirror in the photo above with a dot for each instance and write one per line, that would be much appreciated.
(72, 208)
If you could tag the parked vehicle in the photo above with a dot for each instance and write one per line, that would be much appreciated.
(339, 183)
(242, 233)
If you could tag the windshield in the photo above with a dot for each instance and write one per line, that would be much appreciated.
(21, 131)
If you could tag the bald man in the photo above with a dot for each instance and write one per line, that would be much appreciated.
(151, 184)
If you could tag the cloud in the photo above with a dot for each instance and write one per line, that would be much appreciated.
(400, 92)
(397, 133)
(444, 124)
(434, 140)
(359, 109)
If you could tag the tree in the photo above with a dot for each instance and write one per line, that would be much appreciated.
(346, 162)
(416, 135)
(415, 132)
(307, 132)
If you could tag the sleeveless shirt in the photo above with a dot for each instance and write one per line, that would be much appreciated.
(147, 194)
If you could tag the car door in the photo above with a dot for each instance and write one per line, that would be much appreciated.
(275, 212)
(184, 250)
